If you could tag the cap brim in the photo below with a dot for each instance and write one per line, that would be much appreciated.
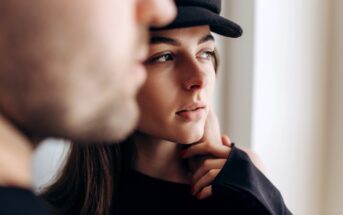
(189, 16)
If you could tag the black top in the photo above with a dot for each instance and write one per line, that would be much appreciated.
(240, 188)
(16, 201)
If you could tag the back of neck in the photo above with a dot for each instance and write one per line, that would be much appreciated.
(15, 156)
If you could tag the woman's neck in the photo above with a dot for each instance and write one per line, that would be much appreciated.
(160, 159)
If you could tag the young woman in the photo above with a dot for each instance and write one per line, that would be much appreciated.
(176, 162)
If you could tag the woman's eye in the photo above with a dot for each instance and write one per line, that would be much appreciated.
(206, 55)
(161, 58)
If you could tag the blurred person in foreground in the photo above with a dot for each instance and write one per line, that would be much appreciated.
(68, 69)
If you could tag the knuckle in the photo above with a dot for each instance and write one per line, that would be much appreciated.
(209, 143)
(212, 173)
(206, 163)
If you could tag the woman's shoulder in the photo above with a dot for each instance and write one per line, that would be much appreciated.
(255, 158)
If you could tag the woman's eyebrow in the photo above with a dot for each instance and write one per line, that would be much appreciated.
(208, 37)
(159, 39)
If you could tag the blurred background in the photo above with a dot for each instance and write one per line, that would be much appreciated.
(279, 93)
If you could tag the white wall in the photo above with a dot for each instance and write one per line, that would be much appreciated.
(334, 168)
(236, 74)
(282, 94)
(290, 97)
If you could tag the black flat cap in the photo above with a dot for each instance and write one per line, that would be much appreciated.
(203, 12)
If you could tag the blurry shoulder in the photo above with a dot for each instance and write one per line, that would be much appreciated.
(255, 158)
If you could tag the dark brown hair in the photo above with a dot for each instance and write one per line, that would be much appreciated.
(216, 60)
(87, 181)
(90, 177)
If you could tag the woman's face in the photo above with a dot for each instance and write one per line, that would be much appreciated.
(176, 97)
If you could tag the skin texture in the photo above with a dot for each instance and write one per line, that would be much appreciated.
(70, 69)
(180, 73)
(15, 152)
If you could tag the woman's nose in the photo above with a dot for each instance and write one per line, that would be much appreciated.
(196, 78)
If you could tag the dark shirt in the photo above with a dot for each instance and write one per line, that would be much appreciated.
(240, 188)
(16, 201)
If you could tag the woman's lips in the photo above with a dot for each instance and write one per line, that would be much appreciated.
(192, 115)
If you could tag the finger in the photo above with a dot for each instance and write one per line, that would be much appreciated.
(194, 163)
(206, 180)
(212, 128)
(205, 193)
(226, 141)
(195, 150)
(206, 166)
(205, 148)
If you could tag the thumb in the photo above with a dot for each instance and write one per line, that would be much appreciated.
(226, 141)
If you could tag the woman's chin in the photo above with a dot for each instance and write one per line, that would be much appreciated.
(189, 137)
(191, 133)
